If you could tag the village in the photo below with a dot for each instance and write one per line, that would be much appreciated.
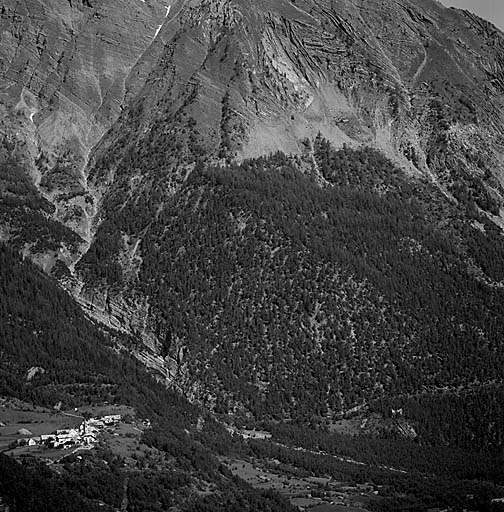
(86, 434)
(51, 434)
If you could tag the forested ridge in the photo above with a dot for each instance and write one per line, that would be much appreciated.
(295, 300)
(27, 212)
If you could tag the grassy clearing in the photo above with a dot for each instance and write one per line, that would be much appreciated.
(15, 416)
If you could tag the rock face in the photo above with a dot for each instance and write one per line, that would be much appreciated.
(108, 107)
(421, 82)
(66, 70)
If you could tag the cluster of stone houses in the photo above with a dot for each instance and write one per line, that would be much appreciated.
(86, 434)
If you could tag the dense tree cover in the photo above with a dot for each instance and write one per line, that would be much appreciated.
(152, 491)
(399, 453)
(37, 489)
(293, 300)
(233, 494)
(158, 491)
(247, 500)
(100, 261)
(297, 301)
(98, 478)
(17, 190)
(469, 418)
(41, 325)
(410, 490)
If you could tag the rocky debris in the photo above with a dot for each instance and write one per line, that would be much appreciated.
(137, 321)
(33, 372)
(397, 426)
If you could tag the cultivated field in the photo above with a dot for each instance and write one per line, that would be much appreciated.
(17, 416)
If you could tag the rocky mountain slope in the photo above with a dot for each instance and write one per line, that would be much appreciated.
(290, 213)
(66, 71)
(124, 126)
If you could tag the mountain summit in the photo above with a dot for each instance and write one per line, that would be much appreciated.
(86, 85)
